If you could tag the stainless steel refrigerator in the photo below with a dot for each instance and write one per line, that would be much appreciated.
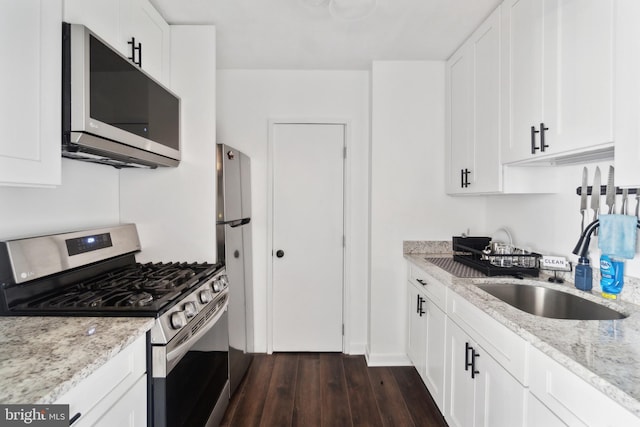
(233, 230)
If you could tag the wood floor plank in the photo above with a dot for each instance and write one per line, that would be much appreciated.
(233, 405)
(393, 409)
(424, 410)
(307, 409)
(329, 389)
(335, 399)
(364, 409)
(278, 406)
(250, 406)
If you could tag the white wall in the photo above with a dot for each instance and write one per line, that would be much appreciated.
(550, 224)
(408, 201)
(174, 208)
(247, 99)
(87, 198)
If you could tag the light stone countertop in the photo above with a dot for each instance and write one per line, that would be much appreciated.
(605, 353)
(41, 358)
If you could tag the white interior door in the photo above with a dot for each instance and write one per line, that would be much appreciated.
(308, 229)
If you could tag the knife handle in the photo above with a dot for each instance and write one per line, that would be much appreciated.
(533, 140)
(542, 144)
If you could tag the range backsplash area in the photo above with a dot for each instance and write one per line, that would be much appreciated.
(630, 291)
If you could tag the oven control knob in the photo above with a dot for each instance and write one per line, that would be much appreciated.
(178, 320)
(206, 296)
(190, 310)
(218, 285)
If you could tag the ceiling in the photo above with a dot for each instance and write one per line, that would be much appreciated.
(291, 34)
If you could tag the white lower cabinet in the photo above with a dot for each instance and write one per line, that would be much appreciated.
(434, 369)
(480, 391)
(417, 348)
(427, 326)
(482, 374)
(115, 394)
(573, 401)
(540, 415)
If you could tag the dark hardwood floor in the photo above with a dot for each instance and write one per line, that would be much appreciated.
(329, 389)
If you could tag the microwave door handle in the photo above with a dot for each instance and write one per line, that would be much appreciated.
(183, 348)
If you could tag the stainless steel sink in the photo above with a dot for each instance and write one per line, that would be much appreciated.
(546, 302)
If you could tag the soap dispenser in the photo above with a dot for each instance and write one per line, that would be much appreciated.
(584, 274)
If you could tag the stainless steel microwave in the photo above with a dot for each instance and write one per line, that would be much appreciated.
(113, 112)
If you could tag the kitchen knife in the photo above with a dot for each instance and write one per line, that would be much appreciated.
(583, 196)
(595, 194)
(611, 191)
(623, 208)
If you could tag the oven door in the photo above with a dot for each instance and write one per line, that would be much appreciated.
(190, 384)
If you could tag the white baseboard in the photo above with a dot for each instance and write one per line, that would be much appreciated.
(387, 359)
(357, 348)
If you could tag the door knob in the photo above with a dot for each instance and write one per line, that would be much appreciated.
(279, 253)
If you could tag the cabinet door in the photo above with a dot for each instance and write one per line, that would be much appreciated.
(417, 329)
(141, 21)
(522, 75)
(459, 119)
(540, 415)
(559, 73)
(30, 83)
(130, 410)
(473, 113)
(487, 169)
(578, 74)
(627, 93)
(460, 400)
(434, 369)
(500, 398)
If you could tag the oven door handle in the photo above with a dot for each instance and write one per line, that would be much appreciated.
(183, 348)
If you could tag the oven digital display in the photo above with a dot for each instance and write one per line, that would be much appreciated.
(84, 244)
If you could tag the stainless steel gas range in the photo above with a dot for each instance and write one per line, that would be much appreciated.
(94, 273)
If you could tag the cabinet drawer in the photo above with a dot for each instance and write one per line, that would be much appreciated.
(572, 399)
(433, 289)
(507, 348)
(109, 382)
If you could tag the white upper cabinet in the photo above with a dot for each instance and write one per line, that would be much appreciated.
(558, 78)
(627, 93)
(473, 112)
(475, 109)
(30, 83)
(144, 24)
(126, 24)
(460, 156)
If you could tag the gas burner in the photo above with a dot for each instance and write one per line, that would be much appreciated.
(141, 299)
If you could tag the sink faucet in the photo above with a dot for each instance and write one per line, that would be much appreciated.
(582, 248)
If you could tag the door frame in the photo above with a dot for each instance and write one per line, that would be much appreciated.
(346, 206)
